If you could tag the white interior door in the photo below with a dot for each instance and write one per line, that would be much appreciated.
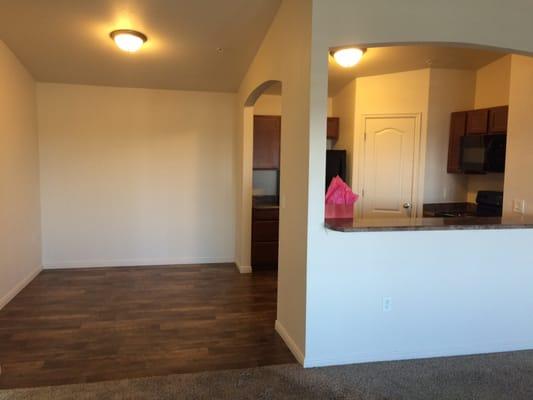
(389, 166)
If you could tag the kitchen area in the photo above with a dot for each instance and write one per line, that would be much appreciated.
(422, 145)
(435, 258)
(266, 178)
(477, 148)
(427, 144)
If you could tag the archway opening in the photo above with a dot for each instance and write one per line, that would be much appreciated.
(449, 102)
(261, 177)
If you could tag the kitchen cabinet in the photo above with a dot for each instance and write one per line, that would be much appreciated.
(267, 139)
(498, 119)
(457, 131)
(333, 126)
(267, 135)
(473, 122)
(265, 233)
(477, 122)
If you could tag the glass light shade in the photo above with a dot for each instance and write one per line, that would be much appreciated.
(127, 40)
(348, 57)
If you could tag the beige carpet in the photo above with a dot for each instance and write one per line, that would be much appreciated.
(487, 377)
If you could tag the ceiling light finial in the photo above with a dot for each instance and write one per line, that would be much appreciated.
(128, 40)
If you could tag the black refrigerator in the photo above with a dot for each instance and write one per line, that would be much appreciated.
(335, 165)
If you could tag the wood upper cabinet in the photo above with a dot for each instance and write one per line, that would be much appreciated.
(487, 120)
(477, 121)
(473, 122)
(267, 135)
(333, 128)
(457, 131)
(267, 138)
(498, 119)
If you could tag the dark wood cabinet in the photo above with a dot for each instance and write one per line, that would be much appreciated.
(333, 126)
(267, 139)
(457, 131)
(473, 122)
(498, 119)
(264, 255)
(477, 122)
(266, 213)
(267, 135)
(265, 233)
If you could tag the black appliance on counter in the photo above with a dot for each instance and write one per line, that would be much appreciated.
(335, 165)
(481, 154)
(489, 203)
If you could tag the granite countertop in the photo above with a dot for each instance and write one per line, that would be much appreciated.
(428, 224)
(265, 202)
(433, 209)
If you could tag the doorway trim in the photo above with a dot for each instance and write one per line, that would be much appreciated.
(417, 192)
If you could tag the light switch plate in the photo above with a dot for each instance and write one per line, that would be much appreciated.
(519, 206)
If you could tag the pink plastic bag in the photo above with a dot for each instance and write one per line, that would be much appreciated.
(339, 200)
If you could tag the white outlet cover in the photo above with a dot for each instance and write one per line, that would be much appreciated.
(387, 304)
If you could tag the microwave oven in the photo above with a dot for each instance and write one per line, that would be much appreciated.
(481, 154)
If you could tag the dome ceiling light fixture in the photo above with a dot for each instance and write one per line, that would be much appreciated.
(347, 57)
(128, 40)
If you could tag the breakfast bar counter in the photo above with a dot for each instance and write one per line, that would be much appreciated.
(427, 224)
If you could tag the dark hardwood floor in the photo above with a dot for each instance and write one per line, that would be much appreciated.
(73, 326)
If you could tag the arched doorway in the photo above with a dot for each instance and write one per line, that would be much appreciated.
(267, 95)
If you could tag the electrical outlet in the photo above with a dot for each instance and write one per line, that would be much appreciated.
(387, 304)
(519, 206)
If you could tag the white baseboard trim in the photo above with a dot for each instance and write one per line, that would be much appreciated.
(135, 262)
(18, 287)
(244, 269)
(358, 358)
(291, 344)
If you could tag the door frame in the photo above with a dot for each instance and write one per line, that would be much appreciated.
(417, 191)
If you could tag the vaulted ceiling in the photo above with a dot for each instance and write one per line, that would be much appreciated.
(192, 44)
(68, 40)
(385, 60)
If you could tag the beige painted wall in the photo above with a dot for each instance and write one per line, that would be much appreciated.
(492, 83)
(449, 91)
(270, 104)
(490, 181)
(284, 56)
(136, 176)
(20, 230)
(519, 164)
(398, 93)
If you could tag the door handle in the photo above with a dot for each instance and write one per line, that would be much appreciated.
(407, 205)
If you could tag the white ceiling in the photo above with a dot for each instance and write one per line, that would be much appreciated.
(68, 40)
(384, 60)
